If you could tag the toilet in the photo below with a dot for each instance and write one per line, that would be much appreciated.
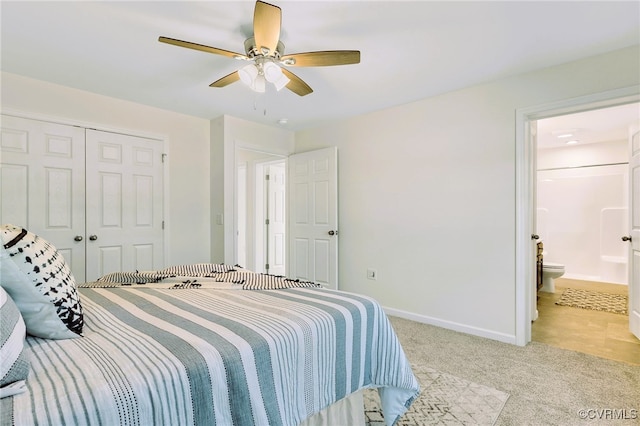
(551, 271)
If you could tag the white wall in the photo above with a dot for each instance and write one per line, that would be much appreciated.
(427, 194)
(582, 209)
(188, 149)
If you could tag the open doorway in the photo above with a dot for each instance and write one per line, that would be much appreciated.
(581, 212)
(260, 206)
(526, 128)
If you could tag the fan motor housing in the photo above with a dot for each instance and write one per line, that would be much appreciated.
(252, 50)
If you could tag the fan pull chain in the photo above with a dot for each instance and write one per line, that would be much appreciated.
(255, 104)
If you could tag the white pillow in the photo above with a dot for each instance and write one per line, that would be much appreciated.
(14, 365)
(41, 284)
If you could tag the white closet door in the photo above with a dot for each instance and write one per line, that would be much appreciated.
(124, 201)
(42, 184)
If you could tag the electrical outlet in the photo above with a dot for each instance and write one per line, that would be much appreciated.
(372, 274)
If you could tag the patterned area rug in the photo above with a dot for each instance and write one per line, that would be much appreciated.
(444, 400)
(595, 300)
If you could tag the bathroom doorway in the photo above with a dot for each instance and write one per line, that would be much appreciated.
(581, 201)
(582, 192)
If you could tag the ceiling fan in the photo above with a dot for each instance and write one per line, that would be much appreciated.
(265, 51)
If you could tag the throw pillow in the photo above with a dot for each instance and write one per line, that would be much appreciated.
(14, 365)
(41, 284)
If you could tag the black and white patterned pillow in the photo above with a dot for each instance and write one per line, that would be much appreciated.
(41, 284)
(14, 364)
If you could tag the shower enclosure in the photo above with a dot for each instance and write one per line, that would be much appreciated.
(582, 212)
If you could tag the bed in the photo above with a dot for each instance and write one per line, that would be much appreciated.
(187, 347)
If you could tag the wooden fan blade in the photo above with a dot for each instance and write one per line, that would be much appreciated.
(322, 59)
(201, 47)
(296, 85)
(267, 20)
(226, 80)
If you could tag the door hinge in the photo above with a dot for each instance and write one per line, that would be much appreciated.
(163, 224)
(266, 222)
(266, 266)
(266, 177)
(163, 156)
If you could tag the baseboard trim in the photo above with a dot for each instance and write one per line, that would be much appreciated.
(449, 325)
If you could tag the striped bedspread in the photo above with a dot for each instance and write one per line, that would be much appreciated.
(202, 356)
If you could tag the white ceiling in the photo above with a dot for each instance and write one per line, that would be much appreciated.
(409, 50)
(596, 126)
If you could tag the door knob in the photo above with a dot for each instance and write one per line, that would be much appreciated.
(535, 236)
(77, 238)
(93, 237)
(332, 232)
(626, 238)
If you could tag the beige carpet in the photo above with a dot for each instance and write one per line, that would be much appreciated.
(595, 300)
(546, 385)
(444, 400)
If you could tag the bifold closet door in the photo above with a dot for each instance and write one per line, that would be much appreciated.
(42, 174)
(124, 203)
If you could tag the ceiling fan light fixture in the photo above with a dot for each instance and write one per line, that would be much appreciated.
(281, 82)
(248, 74)
(272, 72)
(259, 84)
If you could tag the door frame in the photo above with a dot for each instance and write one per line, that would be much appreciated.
(525, 190)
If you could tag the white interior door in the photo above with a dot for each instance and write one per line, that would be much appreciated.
(277, 219)
(42, 184)
(124, 198)
(241, 215)
(533, 135)
(313, 213)
(634, 220)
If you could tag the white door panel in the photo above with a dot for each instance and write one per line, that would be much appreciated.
(533, 278)
(634, 220)
(42, 184)
(124, 194)
(313, 178)
(276, 215)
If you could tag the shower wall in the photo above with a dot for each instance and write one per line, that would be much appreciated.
(582, 210)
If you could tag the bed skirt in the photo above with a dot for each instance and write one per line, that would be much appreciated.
(347, 411)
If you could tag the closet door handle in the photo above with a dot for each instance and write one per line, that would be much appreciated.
(626, 238)
(535, 236)
(93, 237)
(77, 238)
